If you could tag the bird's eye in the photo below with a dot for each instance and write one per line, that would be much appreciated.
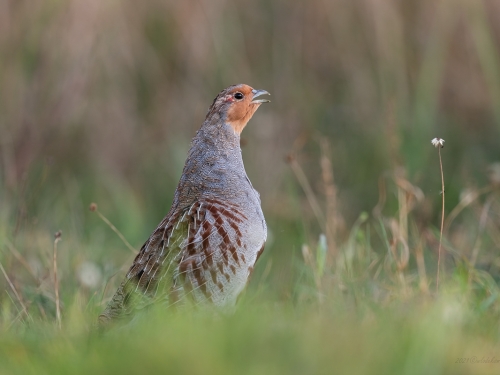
(238, 96)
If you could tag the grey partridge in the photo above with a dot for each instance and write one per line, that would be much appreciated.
(205, 249)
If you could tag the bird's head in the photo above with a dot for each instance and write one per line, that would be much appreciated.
(237, 104)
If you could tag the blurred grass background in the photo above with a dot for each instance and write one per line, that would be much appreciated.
(99, 101)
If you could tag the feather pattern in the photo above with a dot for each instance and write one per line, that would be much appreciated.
(205, 248)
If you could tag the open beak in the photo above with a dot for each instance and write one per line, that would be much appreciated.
(257, 93)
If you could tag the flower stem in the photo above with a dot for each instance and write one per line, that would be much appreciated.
(442, 219)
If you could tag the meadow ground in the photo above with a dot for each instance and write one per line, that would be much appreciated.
(370, 308)
(98, 103)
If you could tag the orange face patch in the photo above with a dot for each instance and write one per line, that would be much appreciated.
(241, 110)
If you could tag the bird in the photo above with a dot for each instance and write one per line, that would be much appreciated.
(204, 250)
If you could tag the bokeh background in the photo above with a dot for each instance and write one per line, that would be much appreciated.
(99, 101)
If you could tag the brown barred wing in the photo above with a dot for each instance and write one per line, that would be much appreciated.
(194, 254)
(214, 260)
(142, 282)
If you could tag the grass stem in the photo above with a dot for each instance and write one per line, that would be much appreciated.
(442, 219)
(93, 208)
(56, 281)
(15, 292)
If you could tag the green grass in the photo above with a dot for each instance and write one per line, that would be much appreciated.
(419, 338)
(366, 311)
(97, 104)
(412, 336)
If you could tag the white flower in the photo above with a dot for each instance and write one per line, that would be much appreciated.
(89, 275)
(438, 142)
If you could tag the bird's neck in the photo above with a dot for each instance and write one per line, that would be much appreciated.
(214, 167)
(218, 128)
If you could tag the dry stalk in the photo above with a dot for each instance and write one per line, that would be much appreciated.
(482, 225)
(93, 208)
(422, 275)
(25, 310)
(332, 220)
(21, 259)
(309, 260)
(56, 281)
(304, 183)
(403, 214)
(400, 252)
(468, 199)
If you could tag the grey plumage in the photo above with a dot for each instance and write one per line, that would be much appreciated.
(205, 248)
